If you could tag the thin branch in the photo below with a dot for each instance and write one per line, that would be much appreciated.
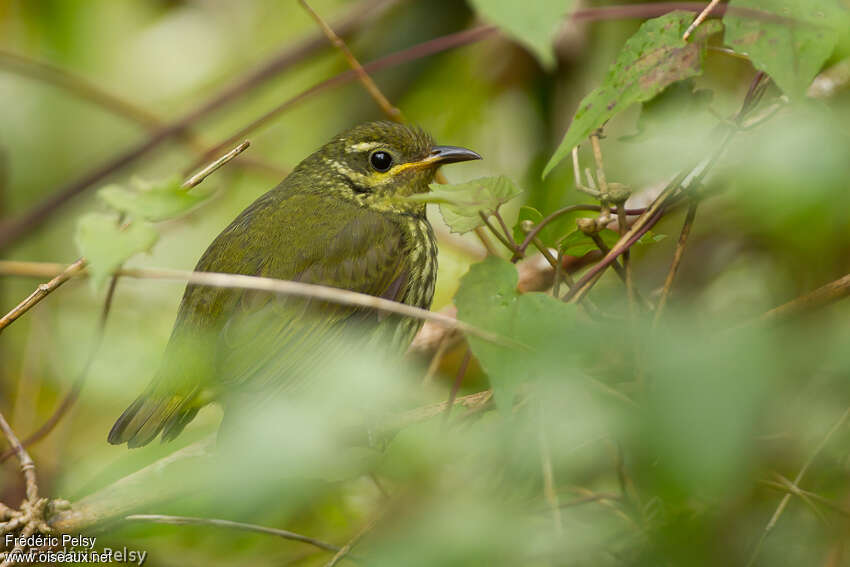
(819, 298)
(11, 231)
(677, 260)
(785, 499)
(391, 111)
(495, 232)
(199, 177)
(77, 386)
(227, 524)
(560, 212)
(346, 549)
(425, 49)
(42, 291)
(700, 18)
(27, 465)
(286, 287)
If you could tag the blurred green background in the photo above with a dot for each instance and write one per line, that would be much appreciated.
(668, 447)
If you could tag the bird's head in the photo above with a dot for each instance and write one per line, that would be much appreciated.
(378, 164)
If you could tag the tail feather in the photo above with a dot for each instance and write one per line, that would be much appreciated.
(148, 416)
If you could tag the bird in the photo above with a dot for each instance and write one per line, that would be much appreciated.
(342, 218)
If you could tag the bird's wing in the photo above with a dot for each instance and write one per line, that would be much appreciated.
(272, 342)
(250, 340)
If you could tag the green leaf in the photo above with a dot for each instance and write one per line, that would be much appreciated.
(151, 202)
(655, 57)
(460, 204)
(579, 244)
(488, 298)
(553, 232)
(106, 245)
(533, 24)
(790, 42)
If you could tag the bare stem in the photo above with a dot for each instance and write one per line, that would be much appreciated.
(700, 18)
(42, 291)
(391, 111)
(677, 260)
(227, 524)
(785, 499)
(27, 465)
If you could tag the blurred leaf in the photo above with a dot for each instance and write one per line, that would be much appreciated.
(579, 244)
(488, 298)
(791, 52)
(533, 24)
(460, 204)
(703, 408)
(652, 59)
(106, 245)
(553, 232)
(157, 202)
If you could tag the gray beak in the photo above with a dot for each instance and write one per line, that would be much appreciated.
(451, 154)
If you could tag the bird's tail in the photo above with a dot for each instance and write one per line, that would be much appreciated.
(149, 415)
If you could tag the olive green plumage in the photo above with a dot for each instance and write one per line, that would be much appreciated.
(341, 219)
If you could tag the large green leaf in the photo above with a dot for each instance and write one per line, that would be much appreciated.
(151, 202)
(488, 298)
(655, 57)
(790, 41)
(106, 245)
(533, 24)
(461, 204)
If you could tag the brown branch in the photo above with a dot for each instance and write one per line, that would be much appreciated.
(12, 230)
(27, 465)
(700, 18)
(785, 499)
(425, 49)
(227, 524)
(42, 291)
(677, 260)
(391, 111)
(286, 287)
(461, 372)
(77, 386)
(821, 297)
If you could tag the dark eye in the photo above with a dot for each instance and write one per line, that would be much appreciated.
(381, 161)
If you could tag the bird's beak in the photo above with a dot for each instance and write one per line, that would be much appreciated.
(451, 154)
(439, 155)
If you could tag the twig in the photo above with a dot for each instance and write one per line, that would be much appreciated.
(42, 291)
(27, 465)
(595, 497)
(286, 287)
(105, 100)
(419, 51)
(197, 178)
(560, 212)
(495, 232)
(77, 386)
(370, 525)
(677, 260)
(785, 499)
(391, 111)
(13, 230)
(191, 521)
(700, 18)
(442, 347)
(821, 297)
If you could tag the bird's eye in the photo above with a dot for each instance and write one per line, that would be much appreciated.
(381, 161)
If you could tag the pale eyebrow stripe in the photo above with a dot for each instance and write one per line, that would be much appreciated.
(363, 146)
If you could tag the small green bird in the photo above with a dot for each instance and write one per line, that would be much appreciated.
(341, 219)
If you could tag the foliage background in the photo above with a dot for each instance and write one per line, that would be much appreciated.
(684, 465)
